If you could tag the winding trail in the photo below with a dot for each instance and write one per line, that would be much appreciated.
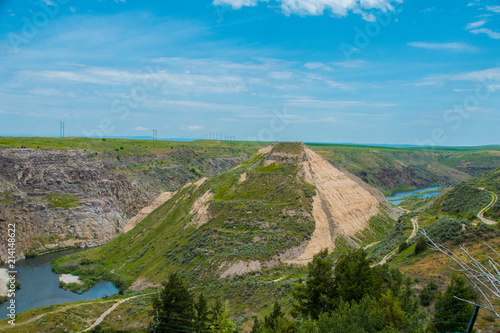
(71, 306)
(414, 221)
(480, 215)
(61, 309)
(415, 228)
(108, 311)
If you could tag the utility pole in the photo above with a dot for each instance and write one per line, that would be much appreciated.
(155, 135)
(61, 129)
(473, 320)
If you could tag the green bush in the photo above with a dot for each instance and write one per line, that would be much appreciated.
(428, 294)
(465, 200)
(421, 245)
(403, 246)
(459, 231)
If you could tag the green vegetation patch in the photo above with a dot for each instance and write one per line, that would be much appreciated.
(60, 200)
(414, 202)
(378, 226)
(394, 238)
(288, 148)
(458, 231)
(465, 200)
(89, 271)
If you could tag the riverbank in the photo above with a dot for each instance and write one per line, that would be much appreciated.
(35, 272)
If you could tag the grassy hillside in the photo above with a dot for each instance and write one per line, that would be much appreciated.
(254, 219)
(137, 147)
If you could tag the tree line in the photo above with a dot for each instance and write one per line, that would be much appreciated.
(346, 296)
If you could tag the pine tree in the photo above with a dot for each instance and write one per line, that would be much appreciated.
(173, 306)
(453, 315)
(201, 313)
(318, 294)
(222, 323)
(271, 320)
(355, 278)
(256, 325)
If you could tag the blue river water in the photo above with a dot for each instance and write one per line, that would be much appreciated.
(400, 197)
(40, 286)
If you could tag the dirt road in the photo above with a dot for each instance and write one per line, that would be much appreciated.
(108, 311)
(414, 221)
(480, 215)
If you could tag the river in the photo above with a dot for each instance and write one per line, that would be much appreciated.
(400, 197)
(40, 286)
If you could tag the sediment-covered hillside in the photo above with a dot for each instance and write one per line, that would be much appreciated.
(283, 205)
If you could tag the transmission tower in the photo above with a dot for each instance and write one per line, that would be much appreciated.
(61, 129)
(155, 135)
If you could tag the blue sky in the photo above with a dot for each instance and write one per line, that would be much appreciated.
(358, 71)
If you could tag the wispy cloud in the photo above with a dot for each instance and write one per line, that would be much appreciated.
(317, 65)
(351, 64)
(172, 82)
(490, 33)
(443, 46)
(494, 9)
(332, 104)
(140, 128)
(475, 28)
(475, 25)
(192, 127)
(491, 75)
(319, 7)
(280, 75)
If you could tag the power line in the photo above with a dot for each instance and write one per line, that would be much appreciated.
(61, 129)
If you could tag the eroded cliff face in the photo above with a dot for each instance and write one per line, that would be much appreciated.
(78, 198)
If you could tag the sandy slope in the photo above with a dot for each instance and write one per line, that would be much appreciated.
(164, 197)
(265, 150)
(341, 206)
(200, 208)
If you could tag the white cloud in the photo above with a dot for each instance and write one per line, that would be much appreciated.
(318, 7)
(140, 128)
(280, 75)
(236, 4)
(192, 128)
(443, 46)
(317, 65)
(351, 64)
(475, 25)
(170, 82)
(475, 28)
(333, 104)
(489, 77)
(490, 33)
(46, 92)
(494, 9)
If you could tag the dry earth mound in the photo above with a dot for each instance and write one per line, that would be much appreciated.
(341, 206)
